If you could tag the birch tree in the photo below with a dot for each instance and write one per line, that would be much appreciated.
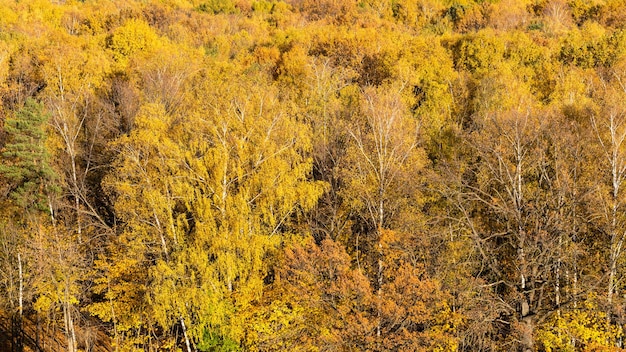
(384, 160)
(203, 198)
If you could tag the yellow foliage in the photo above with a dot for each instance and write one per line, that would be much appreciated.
(209, 198)
(293, 67)
(224, 114)
(509, 14)
(570, 89)
(584, 328)
(592, 46)
(479, 53)
(134, 37)
(8, 16)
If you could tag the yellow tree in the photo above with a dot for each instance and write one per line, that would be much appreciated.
(72, 68)
(203, 197)
(323, 110)
(520, 202)
(143, 201)
(250, 177)
(383, 165)
(609, 126)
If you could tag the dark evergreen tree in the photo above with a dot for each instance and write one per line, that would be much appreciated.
(25, 160)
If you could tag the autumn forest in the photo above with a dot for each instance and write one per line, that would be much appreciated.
(312, 175)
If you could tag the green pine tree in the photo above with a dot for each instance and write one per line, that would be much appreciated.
(25, 161)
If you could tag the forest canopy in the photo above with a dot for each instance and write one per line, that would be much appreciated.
(312, 175)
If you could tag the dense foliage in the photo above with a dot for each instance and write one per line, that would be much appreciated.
(313, 175)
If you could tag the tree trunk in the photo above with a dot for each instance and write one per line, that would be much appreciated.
(70, 332)
(379, 291)
(380, 287)
(527, 338)
(38, 333)
(19, 323)
(182, 325)
(17, 344)
(612, 274)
